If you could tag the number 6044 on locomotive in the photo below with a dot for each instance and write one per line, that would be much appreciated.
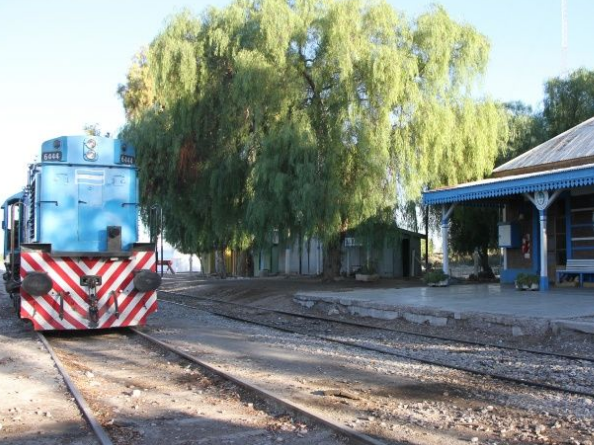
(71, 250)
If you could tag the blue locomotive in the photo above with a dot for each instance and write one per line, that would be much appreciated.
(71, 250)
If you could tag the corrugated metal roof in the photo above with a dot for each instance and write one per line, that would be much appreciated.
(563, 150)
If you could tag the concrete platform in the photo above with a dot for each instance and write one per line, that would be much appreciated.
(501, 307)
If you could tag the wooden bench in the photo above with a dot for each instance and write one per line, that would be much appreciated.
(577, 267)
(167, 263)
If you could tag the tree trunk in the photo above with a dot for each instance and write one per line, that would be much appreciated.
(204, 264)
(487, 272)
(300, 241)
(220, 267)
(242, 263)
(332, 260)
(250, 265)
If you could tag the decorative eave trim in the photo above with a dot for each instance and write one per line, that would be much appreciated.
(506, 186)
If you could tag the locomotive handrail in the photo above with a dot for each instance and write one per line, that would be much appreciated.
(49, 202)
(124, 204)
(12, 242)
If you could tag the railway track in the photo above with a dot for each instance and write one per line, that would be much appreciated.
(397, 401)
(74, 356)
(100, 433)
(567, 374)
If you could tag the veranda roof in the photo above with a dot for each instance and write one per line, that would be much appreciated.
(563, 178)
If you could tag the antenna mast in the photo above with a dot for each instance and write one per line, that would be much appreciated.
(564, 39)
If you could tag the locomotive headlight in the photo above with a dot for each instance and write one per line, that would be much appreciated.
(91, 155)
(90, 152)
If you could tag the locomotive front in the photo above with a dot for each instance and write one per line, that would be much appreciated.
(78, 258)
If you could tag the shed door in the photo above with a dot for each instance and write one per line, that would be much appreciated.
(405, 252)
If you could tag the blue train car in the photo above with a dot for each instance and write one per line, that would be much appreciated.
(72, 255)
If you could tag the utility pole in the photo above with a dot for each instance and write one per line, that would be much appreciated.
(427, 238)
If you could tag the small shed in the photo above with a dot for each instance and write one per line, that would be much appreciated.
(547, 201)
(399, 256)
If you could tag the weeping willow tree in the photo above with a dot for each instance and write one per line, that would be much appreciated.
(304, 116)
(184, 118)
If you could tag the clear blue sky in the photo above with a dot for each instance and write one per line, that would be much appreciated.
(61, 61)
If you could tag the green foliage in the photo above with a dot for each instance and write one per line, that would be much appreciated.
(473, 227)
(305, 116)
(526, 131)
(568, 101)
(435, 276)
(379, 229)
(527, 279)
(368, 269)
(138, 93)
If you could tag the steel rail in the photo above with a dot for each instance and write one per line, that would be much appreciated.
(386, 351)
(354, 436)
(381, 328)
(86, 411)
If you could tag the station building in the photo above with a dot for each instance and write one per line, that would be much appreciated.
(546, 197)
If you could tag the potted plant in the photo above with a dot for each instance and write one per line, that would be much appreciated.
(527, 281)
(367, 273)
(436, 277)
(518, 282)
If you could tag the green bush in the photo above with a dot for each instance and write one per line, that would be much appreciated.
(527, 279)
(435, 276)
(368, 269)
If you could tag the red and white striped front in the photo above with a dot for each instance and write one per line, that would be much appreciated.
(117, 276)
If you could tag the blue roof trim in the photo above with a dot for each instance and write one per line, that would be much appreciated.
(512, 185)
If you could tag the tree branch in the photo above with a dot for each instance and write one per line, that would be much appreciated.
(310, 81)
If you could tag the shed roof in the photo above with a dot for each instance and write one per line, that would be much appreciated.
(571, 148)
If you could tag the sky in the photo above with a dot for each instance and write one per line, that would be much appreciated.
(61, 61)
